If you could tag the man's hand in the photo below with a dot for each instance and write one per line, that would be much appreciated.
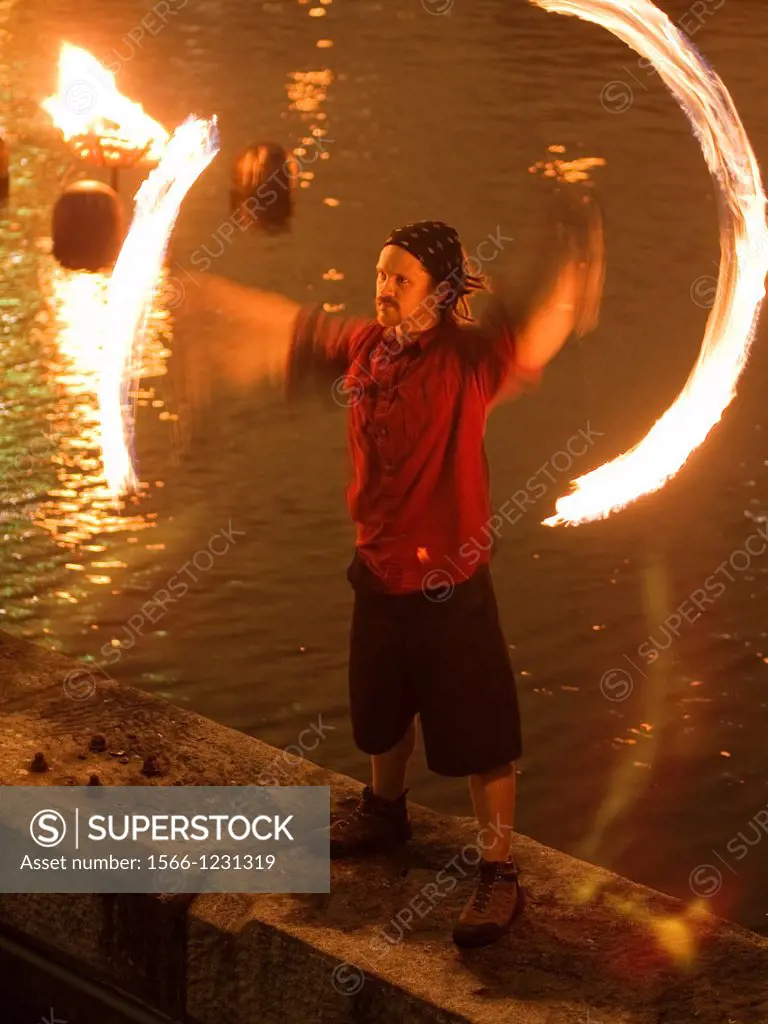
(560, 291)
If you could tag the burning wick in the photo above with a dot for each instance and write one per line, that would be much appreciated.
(139, 266)
(744, 260)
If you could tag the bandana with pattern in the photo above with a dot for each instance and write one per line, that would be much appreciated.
(435, 245)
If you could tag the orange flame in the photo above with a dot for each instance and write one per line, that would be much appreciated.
(744, 262)
(105, 127)
(139, 267)
(101, 125)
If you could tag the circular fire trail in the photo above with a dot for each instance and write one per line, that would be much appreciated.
(730, 330)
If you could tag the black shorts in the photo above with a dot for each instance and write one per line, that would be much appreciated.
(446, 661)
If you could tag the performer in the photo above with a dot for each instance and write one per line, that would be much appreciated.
(425, 639)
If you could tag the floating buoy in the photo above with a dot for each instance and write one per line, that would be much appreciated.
(88, 226)
(263, 185)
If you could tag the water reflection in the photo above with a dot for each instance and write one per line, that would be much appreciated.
(57, 485)
(65, 539)
(80, 511)
(307, 92)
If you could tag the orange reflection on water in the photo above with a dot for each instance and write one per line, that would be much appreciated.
(307, 90)
(81, 510)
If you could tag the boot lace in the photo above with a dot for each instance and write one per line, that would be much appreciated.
(489, 875)
(485, 887)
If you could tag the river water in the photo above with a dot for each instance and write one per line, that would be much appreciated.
(654, 773)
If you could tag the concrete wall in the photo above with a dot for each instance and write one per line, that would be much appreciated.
(592, 948)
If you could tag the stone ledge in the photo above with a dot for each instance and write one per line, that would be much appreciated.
(592, 948)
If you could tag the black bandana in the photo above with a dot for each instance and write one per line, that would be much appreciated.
(435, 245)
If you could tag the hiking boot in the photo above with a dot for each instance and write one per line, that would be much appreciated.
(374, 825)
(496, 902)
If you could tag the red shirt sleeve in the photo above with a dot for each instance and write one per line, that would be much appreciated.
(321, 351)
(498, 373)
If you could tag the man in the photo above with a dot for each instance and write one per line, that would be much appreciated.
(425, 640)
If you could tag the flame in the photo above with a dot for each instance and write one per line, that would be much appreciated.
(139, 266)
(105, 127)
(731, 327)
(100, 123)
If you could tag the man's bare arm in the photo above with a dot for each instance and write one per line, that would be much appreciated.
(541, 336)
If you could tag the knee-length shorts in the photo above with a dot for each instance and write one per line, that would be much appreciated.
(446, 661)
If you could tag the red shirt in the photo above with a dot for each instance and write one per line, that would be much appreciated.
(416, 423)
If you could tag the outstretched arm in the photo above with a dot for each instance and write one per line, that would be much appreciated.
(229, 332)
(241, 337)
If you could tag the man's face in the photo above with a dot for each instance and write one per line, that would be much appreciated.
(402, 288)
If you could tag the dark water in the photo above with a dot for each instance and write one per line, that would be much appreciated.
(425, 116)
